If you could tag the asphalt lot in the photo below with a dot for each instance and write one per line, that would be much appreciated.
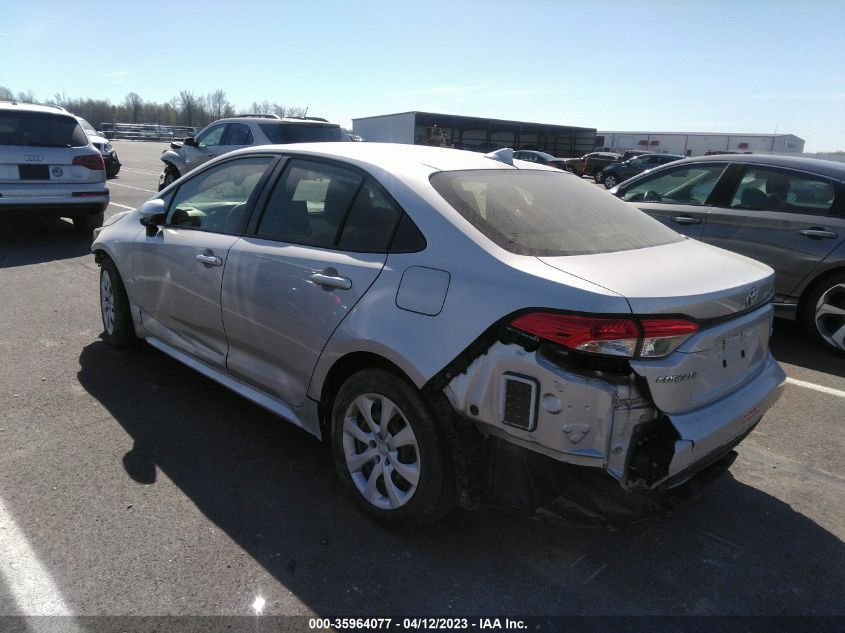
(129, 484)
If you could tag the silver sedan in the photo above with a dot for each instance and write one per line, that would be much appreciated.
(420, 308)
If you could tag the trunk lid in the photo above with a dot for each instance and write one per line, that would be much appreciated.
(718, 289)
(684, 278)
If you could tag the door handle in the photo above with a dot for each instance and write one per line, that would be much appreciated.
(210, 260)
(685, 219)
(818, 233)
(330, 281)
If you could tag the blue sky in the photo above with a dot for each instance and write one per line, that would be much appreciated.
(740, 66)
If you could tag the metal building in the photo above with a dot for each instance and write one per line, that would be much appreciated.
(699, 143)
(474, 133)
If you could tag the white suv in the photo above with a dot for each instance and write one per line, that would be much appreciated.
(48, 165)
(226, 135)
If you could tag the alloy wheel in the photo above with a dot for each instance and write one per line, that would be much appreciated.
(107, 301)
(610, 181)
(381, 451)
(830, 316)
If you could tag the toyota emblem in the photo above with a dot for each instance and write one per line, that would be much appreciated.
(751, 299)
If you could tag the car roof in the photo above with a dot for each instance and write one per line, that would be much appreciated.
(817, 165)
(276, 120)
(397, 157)
(33, 107)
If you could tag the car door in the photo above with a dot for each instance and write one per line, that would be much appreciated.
(179, 270)
(785, 218)
(208, 144)
(679, 197)
(319, 245)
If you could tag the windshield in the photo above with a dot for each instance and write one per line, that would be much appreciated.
(548, 213)
(300, 132)
(39, 129)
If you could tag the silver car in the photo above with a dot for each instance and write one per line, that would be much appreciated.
(785, 211)
(418, 307)
(226, 135)
(48, 166)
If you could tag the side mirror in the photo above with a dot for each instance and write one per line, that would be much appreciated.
(190, 140)
(153, 213)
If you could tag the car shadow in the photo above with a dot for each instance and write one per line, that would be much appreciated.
(790, 344)
(271, 487)
(34, 240)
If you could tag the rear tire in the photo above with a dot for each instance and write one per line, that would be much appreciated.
(610, 181)
(86, 224)
(599, 176)
(824, 313)
(388, 451)
(118, 330)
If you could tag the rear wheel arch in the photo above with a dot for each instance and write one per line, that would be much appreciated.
(811, 287)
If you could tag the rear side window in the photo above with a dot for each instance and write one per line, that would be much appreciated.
(238, 134)
(371, 221)
(689, 184)
(37, 129)
(548, 213)
(309, 204)
(300, 132)
(763, 189)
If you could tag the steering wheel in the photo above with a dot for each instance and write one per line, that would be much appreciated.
(652, 196)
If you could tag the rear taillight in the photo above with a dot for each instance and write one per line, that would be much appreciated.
(663, 336)
(609, 336)
(93, 162)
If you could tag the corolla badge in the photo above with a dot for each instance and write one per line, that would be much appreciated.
(678, 377)
(751, 298)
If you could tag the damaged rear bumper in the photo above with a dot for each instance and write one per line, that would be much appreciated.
(605, 420)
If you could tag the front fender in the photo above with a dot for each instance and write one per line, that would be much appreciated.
(171, 157)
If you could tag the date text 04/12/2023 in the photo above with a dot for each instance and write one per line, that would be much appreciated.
(414, 624)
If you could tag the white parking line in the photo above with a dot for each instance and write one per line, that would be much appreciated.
(25, 577)
(815, 387)
(116, 184)
(122, 206)
(138, 171)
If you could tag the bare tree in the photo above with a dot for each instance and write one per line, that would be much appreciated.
(26, 97)
(60, 99)
(134, 103)
(262, 107)
(189, 106)
(6, 94)
(218, 104)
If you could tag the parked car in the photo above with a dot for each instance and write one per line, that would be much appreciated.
(620, 172)
(540, 158)
(591, 164)
(226, 135)
(48, 166)
(103, 146)
(788, 212)
(417, 306)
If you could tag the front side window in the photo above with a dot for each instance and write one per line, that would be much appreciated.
(212, 136)
(309, 203)
(545, 213)
(764, 189)
(216, 199)
(690, 184)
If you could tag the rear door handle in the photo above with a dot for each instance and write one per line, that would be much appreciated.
(685, 219)
(818, 233)
(210, 260)
(330, 281)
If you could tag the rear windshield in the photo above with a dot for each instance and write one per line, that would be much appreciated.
(37, 129)
(542, 213)
(300, 132)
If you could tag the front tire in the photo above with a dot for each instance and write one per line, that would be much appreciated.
(118, 330)
(610, 181)
(824, 313)
(388, 451)
(168, 176)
